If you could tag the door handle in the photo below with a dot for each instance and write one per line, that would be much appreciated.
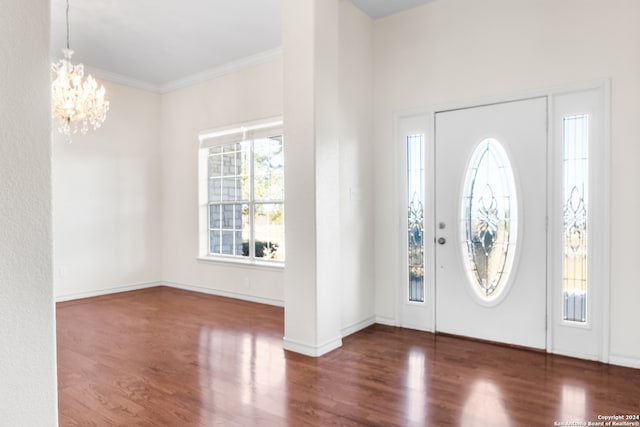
(442, 240)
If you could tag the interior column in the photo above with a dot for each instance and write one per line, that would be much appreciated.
(312, 203)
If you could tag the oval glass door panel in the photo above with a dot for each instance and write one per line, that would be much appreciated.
(489, 220)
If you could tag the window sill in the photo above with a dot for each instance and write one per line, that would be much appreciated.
(230, 262)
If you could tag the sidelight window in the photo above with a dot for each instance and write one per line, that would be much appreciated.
(415, 216)
(575, 136)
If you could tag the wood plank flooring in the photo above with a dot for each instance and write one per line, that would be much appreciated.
(166, 357)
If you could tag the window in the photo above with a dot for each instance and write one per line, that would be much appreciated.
(575, 140)
(415, 216)
(242, 193)
(489, 219)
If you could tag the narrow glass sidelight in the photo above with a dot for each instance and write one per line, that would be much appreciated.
(415, 216)
(489, 217)
(575, 145)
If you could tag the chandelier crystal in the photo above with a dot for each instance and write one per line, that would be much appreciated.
(77, 102)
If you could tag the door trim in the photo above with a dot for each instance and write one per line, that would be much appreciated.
(407, 312)
(598, 102)
(603, 230)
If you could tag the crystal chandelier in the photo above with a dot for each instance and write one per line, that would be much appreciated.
(77, 102)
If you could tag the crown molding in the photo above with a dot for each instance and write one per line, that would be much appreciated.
(194, 79)
(122, 79)
(228, 68)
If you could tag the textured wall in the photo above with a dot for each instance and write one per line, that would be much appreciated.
(27, 340)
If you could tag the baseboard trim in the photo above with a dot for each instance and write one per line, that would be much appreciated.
(388, 321)
(357, 327)
(226, 294)
(107, 291)
(576, 355)
(311, 350)
(626, 361)
(185, 287)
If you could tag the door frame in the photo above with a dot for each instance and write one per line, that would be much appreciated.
(601, 271)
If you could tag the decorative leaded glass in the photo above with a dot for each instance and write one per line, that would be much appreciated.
(575, 172)
(415, 216)
(489, 219)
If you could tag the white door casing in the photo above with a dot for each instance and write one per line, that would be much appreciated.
(415, 314)
(442, 310)
(588, 339)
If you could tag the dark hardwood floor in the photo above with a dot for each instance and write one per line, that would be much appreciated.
(165, 357)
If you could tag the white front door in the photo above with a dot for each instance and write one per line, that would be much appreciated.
(490, 222)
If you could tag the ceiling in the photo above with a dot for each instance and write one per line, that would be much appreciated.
(162, 45)
(377, 9)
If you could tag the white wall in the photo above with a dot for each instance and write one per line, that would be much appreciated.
(107, 199)
(457, 50)
(27, 322)
(356, 157)
(125, 198)
(248, 94)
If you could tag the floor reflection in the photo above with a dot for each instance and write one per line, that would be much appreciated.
(416, 383)
(484, 406)
(573, 403)
(253, 374)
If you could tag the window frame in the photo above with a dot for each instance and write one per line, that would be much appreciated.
(589, 339)
(247, 131)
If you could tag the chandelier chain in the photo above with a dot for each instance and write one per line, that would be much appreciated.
(67, 14)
